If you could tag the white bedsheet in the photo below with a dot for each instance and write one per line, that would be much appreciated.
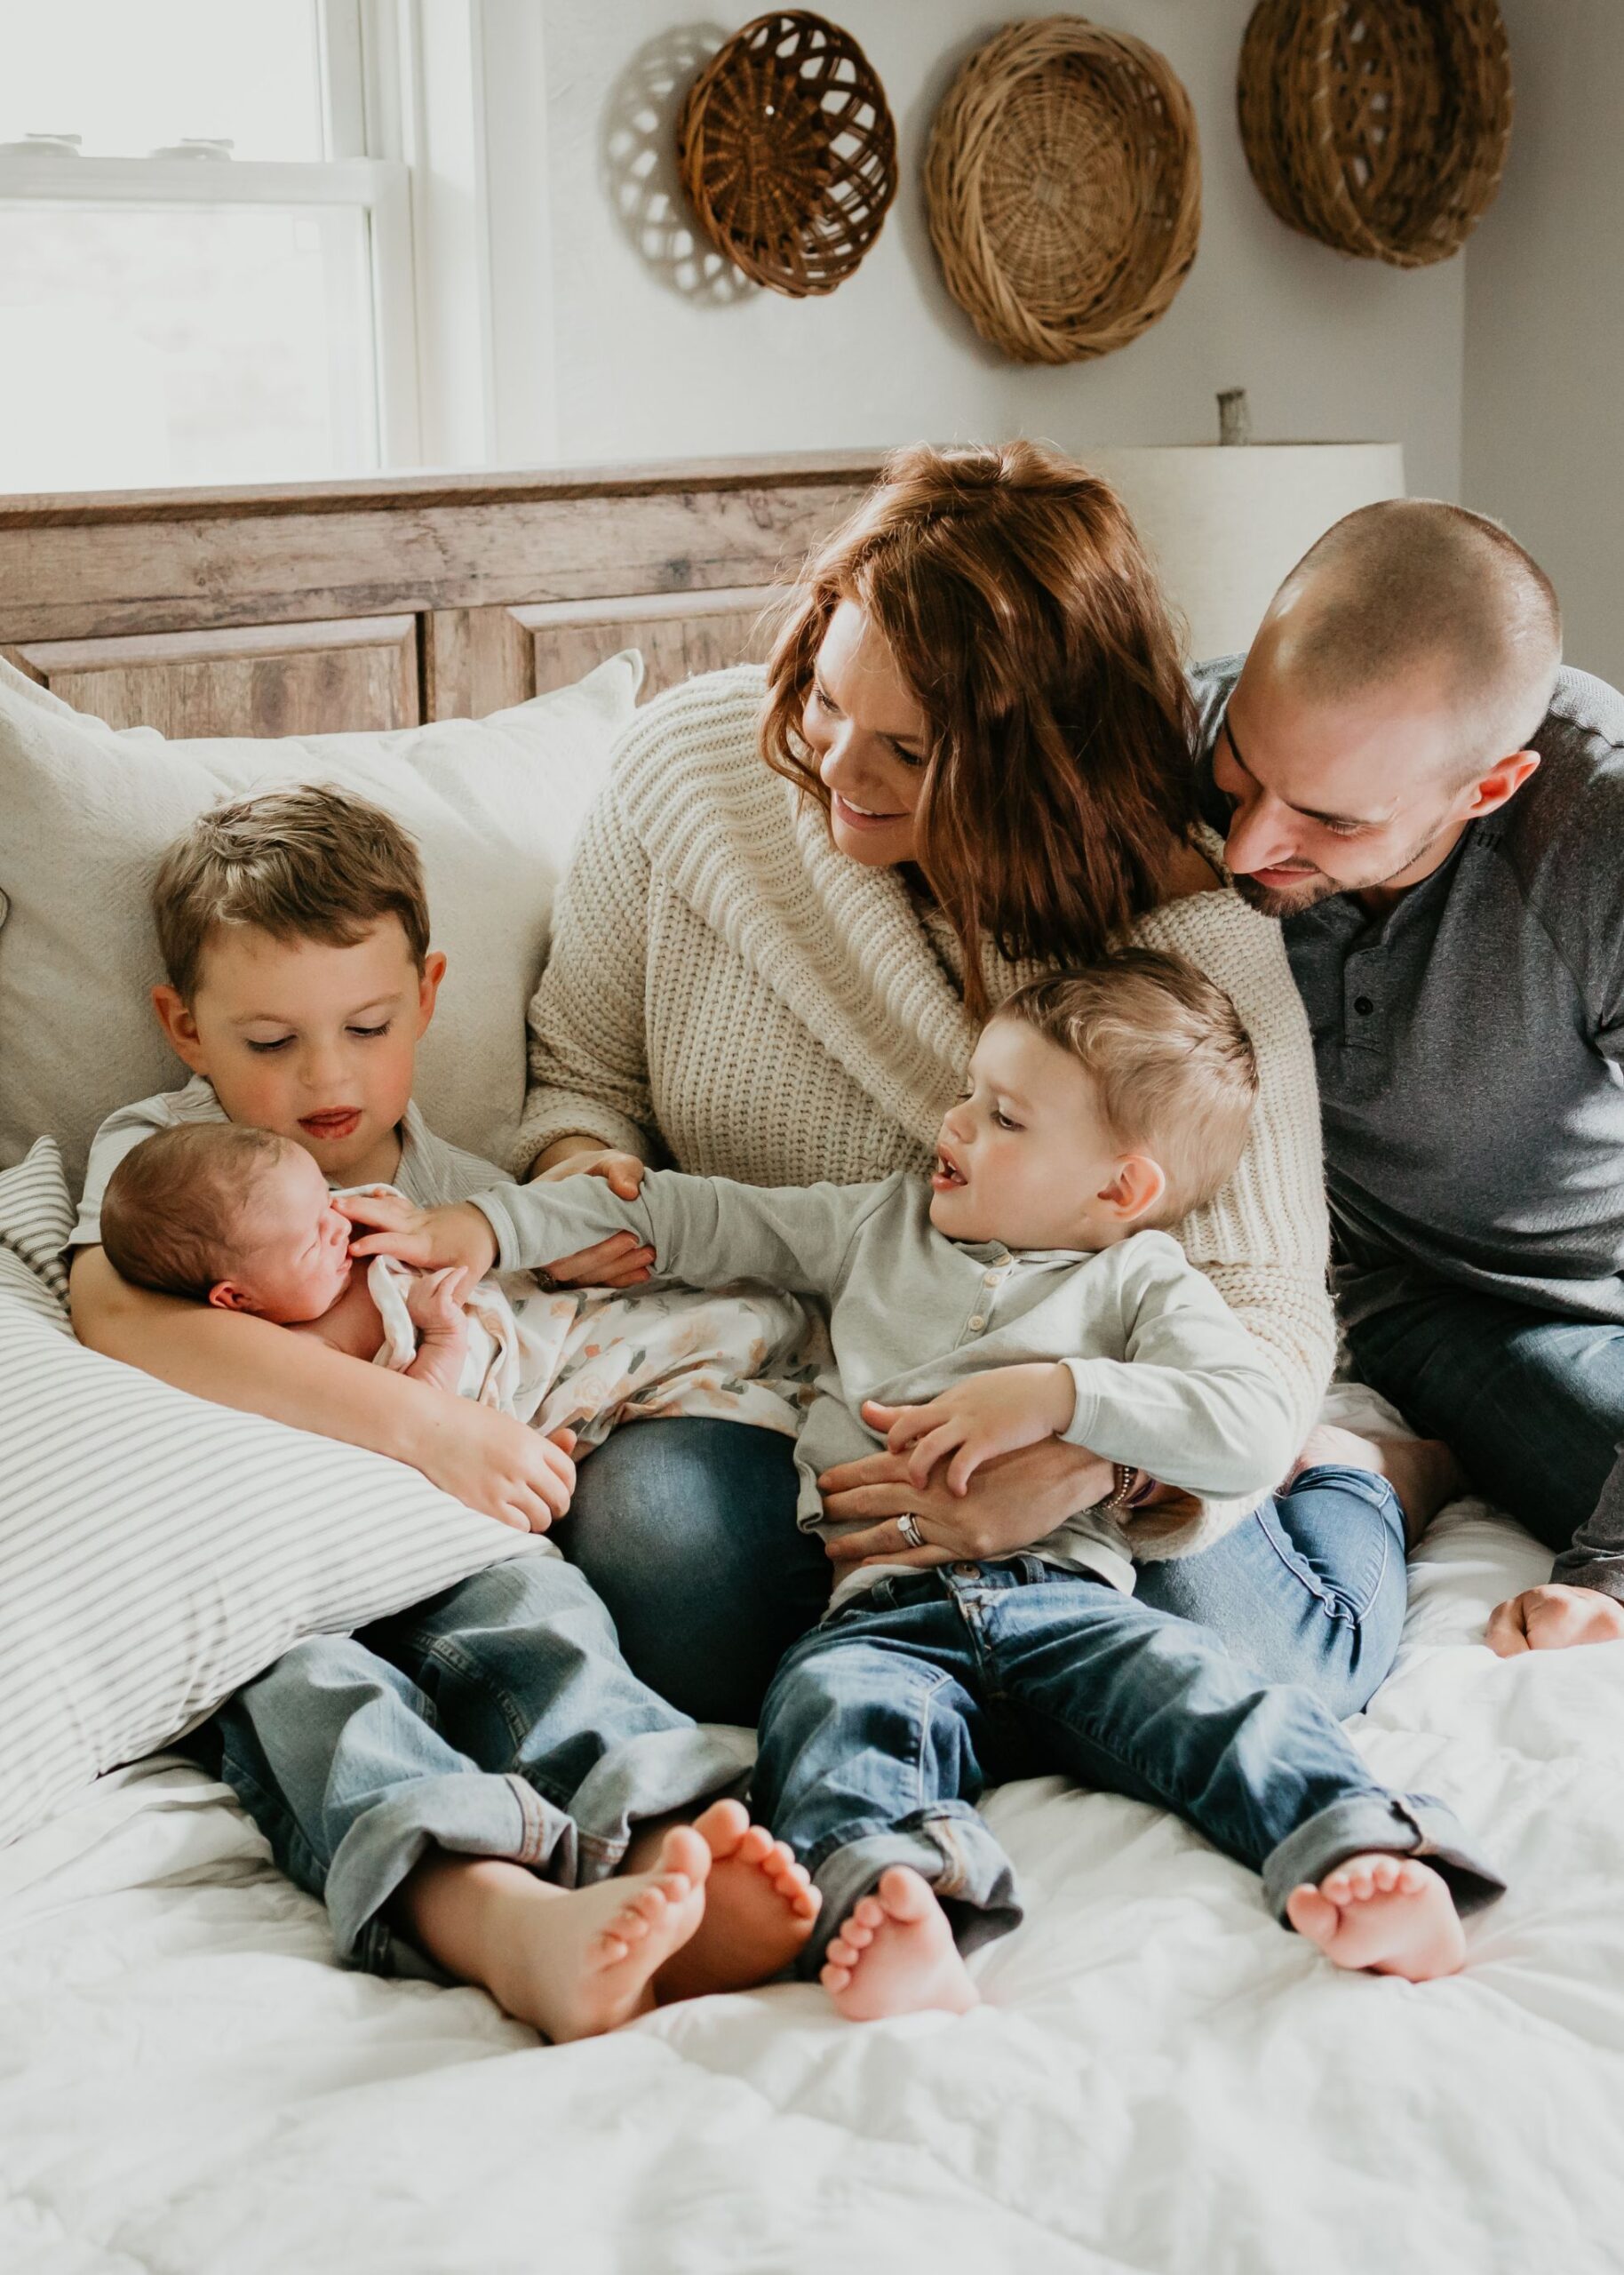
(1162, 2079)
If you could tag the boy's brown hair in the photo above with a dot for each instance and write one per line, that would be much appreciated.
(1170, 1064)
(305, 863)
(171, 1217)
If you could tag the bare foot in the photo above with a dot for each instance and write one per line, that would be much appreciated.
(1422, 1471)
(570, 1963)
(760, 1905)
(1391, 1914)
(895, 1955)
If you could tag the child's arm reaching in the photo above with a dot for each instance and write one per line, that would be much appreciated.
(704, 1230)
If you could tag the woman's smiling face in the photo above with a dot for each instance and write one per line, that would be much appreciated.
(868, 733)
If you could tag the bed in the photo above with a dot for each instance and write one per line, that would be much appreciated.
(1161, 2080)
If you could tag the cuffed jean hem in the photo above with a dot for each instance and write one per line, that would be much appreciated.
(649, 1776)
(470, 1817)
(1409, 1824)
(948, 1845)
(652, 1776)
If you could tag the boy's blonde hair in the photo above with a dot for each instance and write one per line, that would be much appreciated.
(171, 1217)
(307, 863)
(1170, 1064)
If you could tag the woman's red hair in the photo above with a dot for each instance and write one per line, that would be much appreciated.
(1021, 608)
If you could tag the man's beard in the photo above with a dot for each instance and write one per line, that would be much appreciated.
(1317, 886)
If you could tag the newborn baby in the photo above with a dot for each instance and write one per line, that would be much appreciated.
(235, 1217)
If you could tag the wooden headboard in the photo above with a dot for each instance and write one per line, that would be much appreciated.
(380, 604)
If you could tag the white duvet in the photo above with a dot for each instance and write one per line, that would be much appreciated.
(1161, 2079)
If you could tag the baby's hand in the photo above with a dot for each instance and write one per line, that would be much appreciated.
(994, 1413)
(390, 1226)
(434, 1305)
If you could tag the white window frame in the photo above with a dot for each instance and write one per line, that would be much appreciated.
(380, 127)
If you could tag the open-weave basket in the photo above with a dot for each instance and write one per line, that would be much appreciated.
(1063, 188)
(1378, 126)
(788, 152)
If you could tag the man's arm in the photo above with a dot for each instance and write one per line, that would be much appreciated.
(484, 1459)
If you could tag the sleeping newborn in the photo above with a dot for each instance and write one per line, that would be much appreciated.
(245, 1220)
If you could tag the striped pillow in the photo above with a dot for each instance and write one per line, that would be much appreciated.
(157, 1551)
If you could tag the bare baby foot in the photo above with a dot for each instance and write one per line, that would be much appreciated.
(895, 1954)
(758, 1910)
(1422, 1471)
(580, 1964)
(1392, 1915)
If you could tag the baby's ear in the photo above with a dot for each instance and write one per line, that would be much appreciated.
(225, 1295)
(1136, 1187)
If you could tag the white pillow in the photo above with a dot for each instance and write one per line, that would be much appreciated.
(157, 1551)
(86, 812)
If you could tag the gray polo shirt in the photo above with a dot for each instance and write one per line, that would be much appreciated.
(1469, 1040)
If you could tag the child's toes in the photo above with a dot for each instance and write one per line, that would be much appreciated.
(834, 1977)
(870, 1914)
(755, 1844)
(1410, 1876)
(1384, 1875)
(1314, 1912)
(842, 1953)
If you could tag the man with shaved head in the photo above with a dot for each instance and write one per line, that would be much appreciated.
(1433, 809)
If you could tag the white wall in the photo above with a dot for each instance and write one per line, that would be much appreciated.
(1543, 417)
(1327, 348)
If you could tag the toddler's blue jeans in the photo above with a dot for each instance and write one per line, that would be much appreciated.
(882, 1726)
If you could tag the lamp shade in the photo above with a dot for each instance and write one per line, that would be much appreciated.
(1226, 524)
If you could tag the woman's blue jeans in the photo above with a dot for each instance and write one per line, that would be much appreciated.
(686, 1529)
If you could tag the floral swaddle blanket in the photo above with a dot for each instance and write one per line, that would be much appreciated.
(589, 1360)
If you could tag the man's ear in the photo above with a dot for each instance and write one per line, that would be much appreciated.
(225, 1295)
(1501, 783)
(1137, 1186)
(428, 988)
(180, 1027)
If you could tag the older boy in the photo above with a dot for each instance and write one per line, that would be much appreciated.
(452, 1773)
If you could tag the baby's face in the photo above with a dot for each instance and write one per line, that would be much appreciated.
(1025, 1157)
(293, 1259)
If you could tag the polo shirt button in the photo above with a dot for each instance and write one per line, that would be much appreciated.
(1363, 1005)
(978, 1321)
(989, 1278)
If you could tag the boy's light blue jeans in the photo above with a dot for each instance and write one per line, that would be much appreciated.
(496, 1719)
(884, 1725)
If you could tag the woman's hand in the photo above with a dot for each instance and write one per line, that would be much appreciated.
(1013, 1502)
(619, 1261)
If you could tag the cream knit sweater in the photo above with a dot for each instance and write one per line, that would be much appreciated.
(726, 989)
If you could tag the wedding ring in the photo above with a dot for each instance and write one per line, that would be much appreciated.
(908, 1524)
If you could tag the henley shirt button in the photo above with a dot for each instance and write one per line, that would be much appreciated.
(989, 1278)
(1363, 1005)
(978, 1321)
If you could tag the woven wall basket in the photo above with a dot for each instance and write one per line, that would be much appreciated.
(788, 152)
(1063, 188)
(1378, 126)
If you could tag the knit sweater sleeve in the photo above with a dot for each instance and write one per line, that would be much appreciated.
(588, 1048)
(1264, 1240)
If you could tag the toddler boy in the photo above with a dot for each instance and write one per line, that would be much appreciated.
(465, 1779)
(1025, 1293)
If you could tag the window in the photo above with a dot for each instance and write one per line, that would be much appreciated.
(206, 270)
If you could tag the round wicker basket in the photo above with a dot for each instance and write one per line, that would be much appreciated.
(1378, 126)
(788, 152)
(1063, 184)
